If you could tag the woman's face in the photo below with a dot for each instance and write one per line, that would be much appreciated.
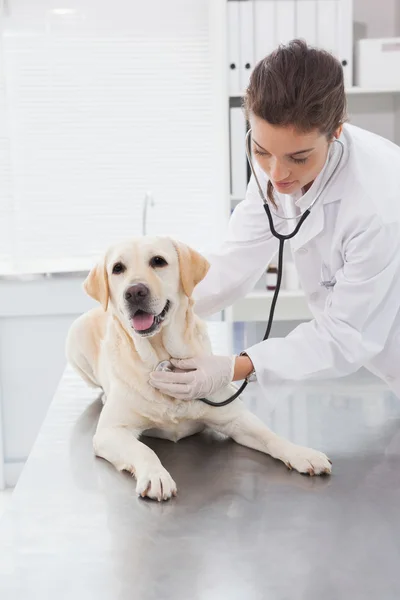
(291, 160)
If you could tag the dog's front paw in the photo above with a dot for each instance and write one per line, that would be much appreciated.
(304, 460)
(155, 483)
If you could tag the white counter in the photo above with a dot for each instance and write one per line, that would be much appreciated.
(38, 302)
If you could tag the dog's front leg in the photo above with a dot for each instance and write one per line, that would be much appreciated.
(116, 440)
(248, 430)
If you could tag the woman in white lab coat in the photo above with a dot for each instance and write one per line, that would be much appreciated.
(296, 107)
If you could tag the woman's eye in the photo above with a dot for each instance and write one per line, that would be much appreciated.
(158, 261)
(260, 153)
(118, 268)
(299, 161)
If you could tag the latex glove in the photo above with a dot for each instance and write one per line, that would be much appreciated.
(208, 374)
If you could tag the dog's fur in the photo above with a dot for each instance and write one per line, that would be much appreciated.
(107, 351)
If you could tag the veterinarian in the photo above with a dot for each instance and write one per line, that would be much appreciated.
(347, 252)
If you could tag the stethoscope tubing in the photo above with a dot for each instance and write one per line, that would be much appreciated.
(282, 239)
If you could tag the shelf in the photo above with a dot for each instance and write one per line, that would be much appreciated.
(27, 270)
(291, 306)
(235, 201)
(355, 90)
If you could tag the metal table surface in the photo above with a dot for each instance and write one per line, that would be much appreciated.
(242, 527)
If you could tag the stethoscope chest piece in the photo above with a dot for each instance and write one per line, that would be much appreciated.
(164, 365)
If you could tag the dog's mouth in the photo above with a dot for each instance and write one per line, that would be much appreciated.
(145, 323)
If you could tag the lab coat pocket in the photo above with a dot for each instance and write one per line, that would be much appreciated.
(327, 281)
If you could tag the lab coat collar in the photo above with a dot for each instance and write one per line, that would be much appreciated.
(332, 193)
(311, 227)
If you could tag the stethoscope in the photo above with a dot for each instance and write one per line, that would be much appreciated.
(166, 365)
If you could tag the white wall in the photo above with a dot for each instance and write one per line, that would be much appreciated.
(378, 113)
(104, 102)
(377, 18)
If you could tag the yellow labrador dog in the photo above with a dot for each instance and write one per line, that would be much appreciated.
(146, 316)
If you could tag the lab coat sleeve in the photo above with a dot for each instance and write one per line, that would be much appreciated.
(357, 319)
(241, 259)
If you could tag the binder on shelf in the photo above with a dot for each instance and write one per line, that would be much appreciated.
(246, 38)
(257, 27)
(237, 153)
(233, 15)
(328, 25)
(285, 21)
(306, 21)
(345, 39)
(264, 28)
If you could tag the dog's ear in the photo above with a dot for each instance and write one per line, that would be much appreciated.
(192, 265)
(96, 284)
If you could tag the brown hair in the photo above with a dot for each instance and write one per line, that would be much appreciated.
(300, 86)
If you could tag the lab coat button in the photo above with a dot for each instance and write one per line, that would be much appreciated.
(302, 251)
(314, 296)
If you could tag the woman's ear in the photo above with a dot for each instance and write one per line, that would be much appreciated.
(193, 267)
(96, 284)
(338, 132)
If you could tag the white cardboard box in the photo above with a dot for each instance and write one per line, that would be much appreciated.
(378, 63)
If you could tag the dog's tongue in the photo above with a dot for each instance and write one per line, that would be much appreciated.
(142, 321)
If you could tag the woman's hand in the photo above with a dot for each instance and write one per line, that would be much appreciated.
(206, 375)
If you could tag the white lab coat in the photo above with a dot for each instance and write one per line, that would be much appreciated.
(351, 239)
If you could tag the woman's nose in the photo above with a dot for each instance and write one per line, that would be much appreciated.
(278, 171)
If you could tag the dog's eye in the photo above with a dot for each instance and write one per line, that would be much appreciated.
(158, 261)
(118, 268)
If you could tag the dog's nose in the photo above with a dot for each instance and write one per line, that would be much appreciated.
(137, 292)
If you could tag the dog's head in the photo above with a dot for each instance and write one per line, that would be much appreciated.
(144, 279)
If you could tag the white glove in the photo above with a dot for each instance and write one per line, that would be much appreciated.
(207, 375)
